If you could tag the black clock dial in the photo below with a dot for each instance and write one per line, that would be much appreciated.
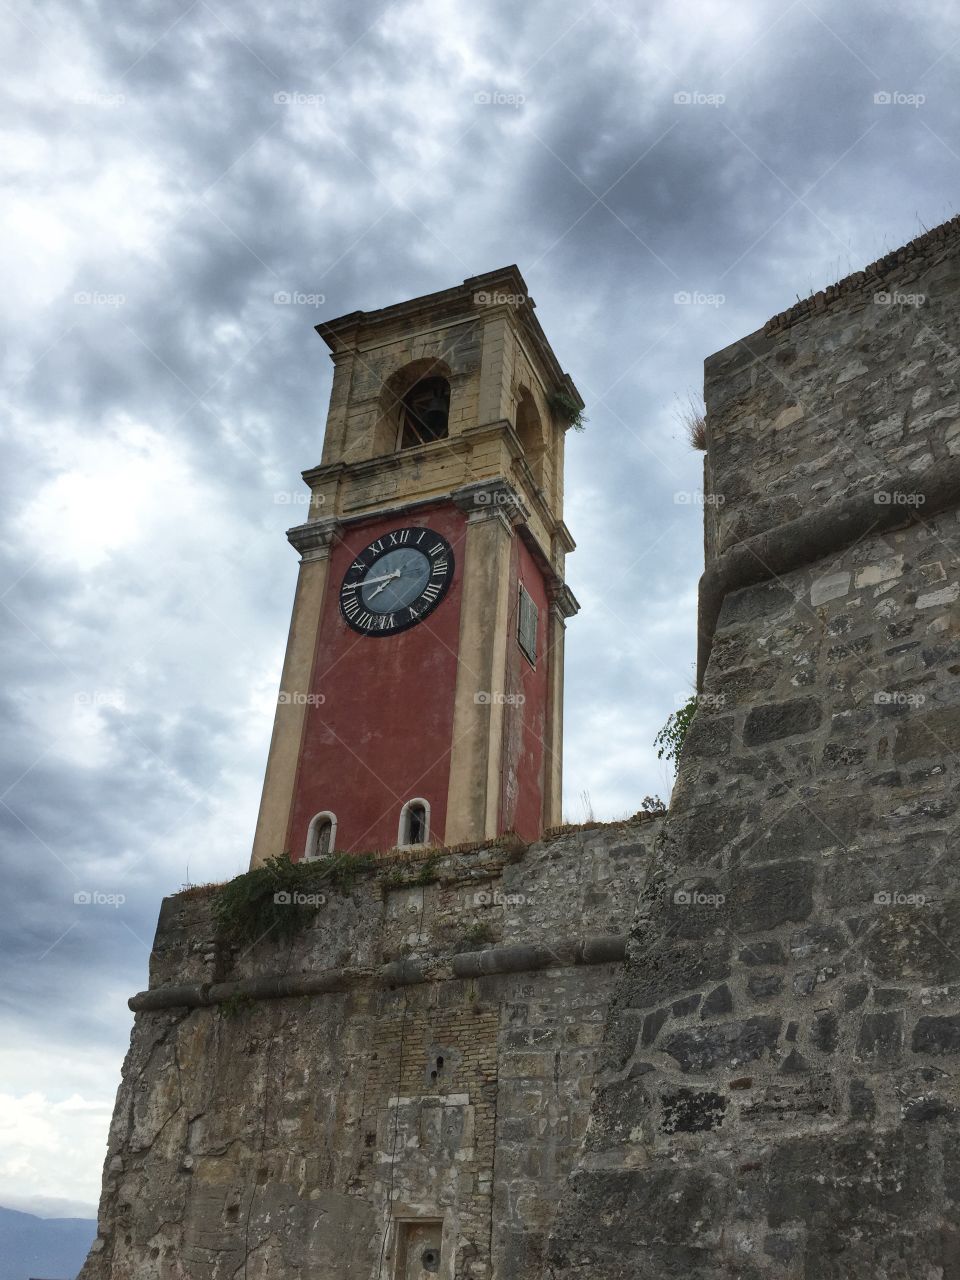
(396, 581)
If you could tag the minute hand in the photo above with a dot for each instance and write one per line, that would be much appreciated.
(388, 577)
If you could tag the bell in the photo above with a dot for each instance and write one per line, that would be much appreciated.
(435, 415)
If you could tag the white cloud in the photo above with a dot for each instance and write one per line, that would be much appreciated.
(53, 1131)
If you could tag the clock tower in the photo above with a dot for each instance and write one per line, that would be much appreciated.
(422, 688)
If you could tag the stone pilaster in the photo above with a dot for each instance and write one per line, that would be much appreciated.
(562, 606)
(473, 798)
(314, 541)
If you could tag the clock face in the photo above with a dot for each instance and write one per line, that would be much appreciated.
(396, 581)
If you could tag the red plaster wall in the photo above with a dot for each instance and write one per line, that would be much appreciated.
(521, 796)
(382, 735)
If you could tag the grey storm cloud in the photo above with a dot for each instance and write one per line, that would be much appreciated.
(170, 170)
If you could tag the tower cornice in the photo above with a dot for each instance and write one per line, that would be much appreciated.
(503, 287)
(315, 538)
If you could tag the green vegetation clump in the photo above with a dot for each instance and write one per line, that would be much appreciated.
(477, 934)
(567, 409)
(280, 897)
(429, 873)
(236, 1005)
(394, 878)
(669, 741)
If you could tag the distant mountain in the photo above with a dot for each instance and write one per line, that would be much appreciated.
(46, 1248)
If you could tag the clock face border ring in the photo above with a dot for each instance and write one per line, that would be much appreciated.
(434, 544)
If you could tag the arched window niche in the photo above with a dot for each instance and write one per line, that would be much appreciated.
(321, 836)
(424, 413)
(414, 407)
(414, 823)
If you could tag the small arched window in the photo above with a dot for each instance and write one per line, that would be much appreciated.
(424, 412)
(321, 836)
(414, 823)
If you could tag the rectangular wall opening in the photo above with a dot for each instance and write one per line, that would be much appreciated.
(419, 1249)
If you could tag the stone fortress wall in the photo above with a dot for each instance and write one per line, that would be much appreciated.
(419, 1059)
(778, 1090)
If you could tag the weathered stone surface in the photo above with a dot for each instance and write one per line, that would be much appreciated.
(652, 1025)
(617, 1110)
(863, 1105)
(728, 1043)
(764, 985)
(615, 1211)
(781, 720)
(752, 603)
(690, 1111)
(706, 831)
(718, 1001)
(881, 1037)
(794, 1064)
(812, 826)
(837, 1182)
(765, 897)
(663, 974)
(708, 736)
(916, 942)
(935, 735)
(825, 1032)
(937, 1035)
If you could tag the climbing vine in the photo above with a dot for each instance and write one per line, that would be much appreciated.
(669, 741)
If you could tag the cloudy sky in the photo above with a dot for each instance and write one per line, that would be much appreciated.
(169, 167)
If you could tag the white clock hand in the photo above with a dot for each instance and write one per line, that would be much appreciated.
(389, 577)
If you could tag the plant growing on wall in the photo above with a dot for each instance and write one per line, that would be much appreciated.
(567, 409)
(279, 897)
(235, 1006)
(478, 934)
(429, 873)
(692, 417)
(669, 741)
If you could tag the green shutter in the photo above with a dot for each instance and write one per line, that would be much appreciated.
(527, 618)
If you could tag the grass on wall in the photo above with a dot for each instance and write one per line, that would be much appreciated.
(265, 899)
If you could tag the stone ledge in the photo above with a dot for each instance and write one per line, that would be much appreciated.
(518, 958)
